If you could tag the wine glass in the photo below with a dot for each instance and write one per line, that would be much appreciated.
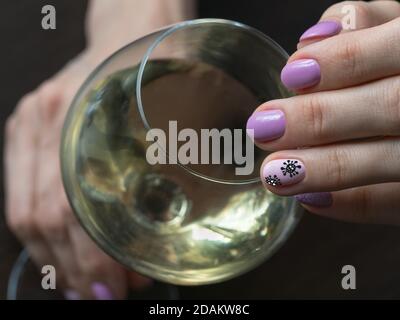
(182, 222)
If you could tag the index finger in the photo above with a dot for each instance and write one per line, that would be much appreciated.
(349, 16)
(346, 60)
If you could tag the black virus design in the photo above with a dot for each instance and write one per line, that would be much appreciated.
(290, 167)
(273, 180)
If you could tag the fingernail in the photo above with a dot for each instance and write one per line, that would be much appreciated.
(315, 199)
(266, 125)
(322, 29)
(284, 172)
(101, 291)
(71, 295)
(300, 74)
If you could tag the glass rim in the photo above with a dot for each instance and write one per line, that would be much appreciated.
(168, 31)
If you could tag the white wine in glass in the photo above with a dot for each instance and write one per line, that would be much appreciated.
(182, 223)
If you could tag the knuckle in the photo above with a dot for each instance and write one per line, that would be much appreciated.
(362, 11)
(313, 114)
(336, 170)
(349, 52)
(47, 91)
(389, 155)
(360, 8)
(337, 7)
(51, 226)
(22, 225)
(49, 98)
(13, 222)
(389, 40)
(391, 100)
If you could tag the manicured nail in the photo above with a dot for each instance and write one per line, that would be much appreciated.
(71, 295)
(322, 29)
(284, 172)
(266, 125)
(300, 74)
(315, 199)
(101, 291)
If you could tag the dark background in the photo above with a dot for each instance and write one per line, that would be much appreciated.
(309, 264)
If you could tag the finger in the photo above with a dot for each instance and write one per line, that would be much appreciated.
(332, 167)
(103, 277)
(330, 116)
(20, 166)
(369, 204)
(41, 254)
(20, 174)
(346, 60)
(50, 216)
(137, 281)
(51, 204)
(335, 19)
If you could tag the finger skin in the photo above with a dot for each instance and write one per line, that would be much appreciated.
(378, 204)
(20, 171)
(20, 166)
(50, 215)
(137, 281)
(365, 111)
(96, 266)
(337, 167)
(51, 207)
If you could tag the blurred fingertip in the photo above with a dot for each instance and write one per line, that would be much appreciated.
(70, 294)
(101, 291)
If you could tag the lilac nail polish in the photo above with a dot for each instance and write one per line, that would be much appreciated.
(316, 199)
(71, 295)
(322, 29)
(283, 172)
(266, 125)
(101, 291)
(300, 74)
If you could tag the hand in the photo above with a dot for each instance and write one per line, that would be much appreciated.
(346, 118)
(36, 206)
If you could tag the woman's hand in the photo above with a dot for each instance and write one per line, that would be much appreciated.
(37, 208)
(346, 118)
